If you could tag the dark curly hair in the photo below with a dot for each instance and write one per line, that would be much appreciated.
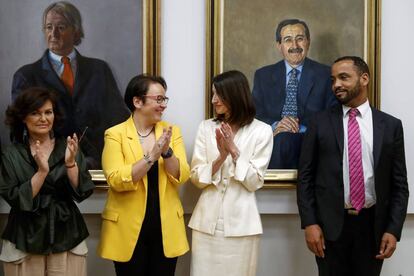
(29, 100)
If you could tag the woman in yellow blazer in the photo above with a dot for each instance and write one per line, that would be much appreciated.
(144, 161)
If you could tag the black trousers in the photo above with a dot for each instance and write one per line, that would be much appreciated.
(148, 258)
(353, 254)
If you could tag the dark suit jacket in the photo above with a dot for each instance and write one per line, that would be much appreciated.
(96, 102)
(320, 190)
(269, 93)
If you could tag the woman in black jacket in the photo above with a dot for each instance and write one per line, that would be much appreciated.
(41, 177)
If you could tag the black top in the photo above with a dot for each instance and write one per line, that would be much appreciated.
(50, 222)
(152, 220)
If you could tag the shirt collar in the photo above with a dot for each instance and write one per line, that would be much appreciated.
(57, 59)
(363, 109)
(289, 68)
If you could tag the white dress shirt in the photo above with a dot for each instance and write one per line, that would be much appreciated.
(364, 119)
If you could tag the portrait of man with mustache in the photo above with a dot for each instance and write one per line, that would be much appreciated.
(287, 93)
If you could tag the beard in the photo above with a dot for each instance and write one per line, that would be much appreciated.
(350, 94)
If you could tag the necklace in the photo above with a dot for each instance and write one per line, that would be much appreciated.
(46, 146)
(142, 137)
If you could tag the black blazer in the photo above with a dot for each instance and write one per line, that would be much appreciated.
(96, 102)
(320, 190)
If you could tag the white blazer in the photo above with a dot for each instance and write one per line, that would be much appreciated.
(231, 189)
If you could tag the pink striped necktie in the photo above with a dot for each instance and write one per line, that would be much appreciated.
(356, 173)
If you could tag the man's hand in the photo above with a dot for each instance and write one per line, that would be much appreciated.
(315, 240)
(387, 247)
(287, 124)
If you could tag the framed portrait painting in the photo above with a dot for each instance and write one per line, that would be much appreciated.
(124, 34)
(241, 36)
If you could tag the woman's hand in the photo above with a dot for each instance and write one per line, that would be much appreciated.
(71, 150)
(228, 140)
(41, 158)
(162, 144)
(220, 139)
(165, 139)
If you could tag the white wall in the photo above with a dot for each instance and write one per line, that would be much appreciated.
(397, 95)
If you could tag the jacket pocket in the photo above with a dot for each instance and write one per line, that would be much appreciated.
(110, 215)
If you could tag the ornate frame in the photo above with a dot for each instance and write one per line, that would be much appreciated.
(151, 16)
(214, 65)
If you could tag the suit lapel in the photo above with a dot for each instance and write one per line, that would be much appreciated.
(50, 75)
(337, 125)
(133, 141)
(305, 86)
(134, 145)
(82, 74)
(278, 87)
(378, 134)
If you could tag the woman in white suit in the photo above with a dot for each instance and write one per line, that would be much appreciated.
(231, 154)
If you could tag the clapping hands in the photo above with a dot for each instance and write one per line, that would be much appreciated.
(225, 140)
(41, 157)
(162, 144)
(72, 145)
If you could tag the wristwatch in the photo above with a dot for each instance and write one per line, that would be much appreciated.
(168, 154)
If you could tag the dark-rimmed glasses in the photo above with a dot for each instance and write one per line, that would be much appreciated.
(159, 99)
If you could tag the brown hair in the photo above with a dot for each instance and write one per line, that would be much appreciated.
(29, 100)
(233, 89)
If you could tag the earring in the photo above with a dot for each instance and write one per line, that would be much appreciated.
(25, 137)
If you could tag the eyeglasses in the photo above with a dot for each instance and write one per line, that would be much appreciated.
(159, 99)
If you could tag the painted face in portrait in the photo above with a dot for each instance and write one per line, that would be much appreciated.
(219, 105)
(294, 45)
(60, 36)
(40, 121)
(155, 103)
(347, 83)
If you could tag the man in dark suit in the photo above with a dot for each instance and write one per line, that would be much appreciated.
(88, 95)
(311, 93)
(352, 191)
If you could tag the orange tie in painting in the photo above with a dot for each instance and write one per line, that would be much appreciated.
(67, 75)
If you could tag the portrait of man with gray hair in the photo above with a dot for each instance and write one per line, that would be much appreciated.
(88, 95)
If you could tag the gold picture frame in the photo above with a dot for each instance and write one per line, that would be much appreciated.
(242, 15)
(151, 35)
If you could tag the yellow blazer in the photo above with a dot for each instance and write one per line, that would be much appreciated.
(126, 203)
